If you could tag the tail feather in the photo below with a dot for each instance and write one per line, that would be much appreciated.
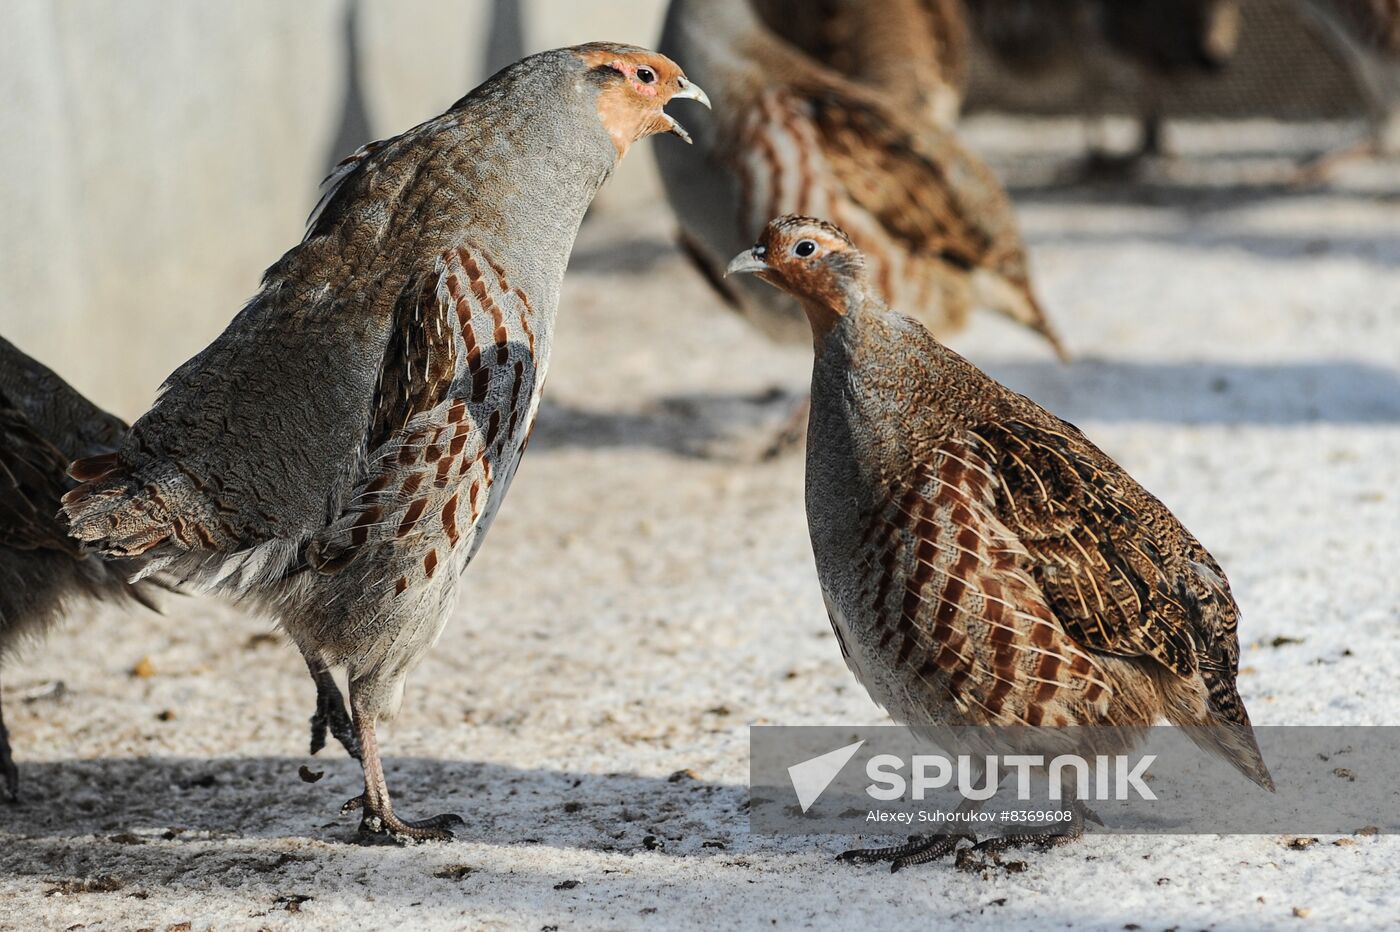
(1218, 722)
(93, 467)
(1236, 743)
(162, 532)
(113, 516)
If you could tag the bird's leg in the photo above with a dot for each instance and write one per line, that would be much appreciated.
(1048, 835)
(378, 817)
(8, 773)
(1150, 146)
(330, 710)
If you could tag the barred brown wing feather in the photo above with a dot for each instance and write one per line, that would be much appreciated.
(1119, 571)
(421, 360)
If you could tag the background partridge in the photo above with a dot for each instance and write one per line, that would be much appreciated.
(1160, 40)
(337, 455)
(789, 134)
(44, 425)
(983, 563)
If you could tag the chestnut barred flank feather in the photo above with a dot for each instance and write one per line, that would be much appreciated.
(983, 562)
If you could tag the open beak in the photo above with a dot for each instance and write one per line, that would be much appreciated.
(746, 261)
(690, 91)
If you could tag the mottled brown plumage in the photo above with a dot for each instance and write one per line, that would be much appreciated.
(983, 562)
(44, 424)
(338, 454)
(789, 134)
(913, 51)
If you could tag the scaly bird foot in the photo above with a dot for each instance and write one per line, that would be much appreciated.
(376, 825)
(919, 850)
(1050, 835)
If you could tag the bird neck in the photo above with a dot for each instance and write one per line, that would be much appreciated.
(834, 314)
(529, 200)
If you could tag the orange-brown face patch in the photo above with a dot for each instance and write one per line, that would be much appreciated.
(811, 280)
(629, 107)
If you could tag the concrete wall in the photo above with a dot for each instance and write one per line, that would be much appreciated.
(157, 155)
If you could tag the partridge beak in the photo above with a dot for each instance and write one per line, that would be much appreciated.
(750, 260)
(690, 91)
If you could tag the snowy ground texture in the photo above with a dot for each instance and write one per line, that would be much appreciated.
(647, 594)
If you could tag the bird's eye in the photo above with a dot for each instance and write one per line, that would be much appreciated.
(646, 75)
(804, 248)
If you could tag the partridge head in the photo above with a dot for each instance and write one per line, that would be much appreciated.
(814, 262)
(635, 86)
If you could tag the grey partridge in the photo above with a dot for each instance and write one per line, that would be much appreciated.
(982, 562)
(1369, 32)
(915, 50)
(789, 134)
(337, 455)
(45, 424)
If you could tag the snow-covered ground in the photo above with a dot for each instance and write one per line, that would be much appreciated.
(648, 593)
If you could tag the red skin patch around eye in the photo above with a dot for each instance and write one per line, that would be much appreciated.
(648, 90)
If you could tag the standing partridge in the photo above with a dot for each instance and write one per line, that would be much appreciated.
(916, 50)
(983, 563)
(337, 455)
(1369, 32)
(45, 424)
(789, 134)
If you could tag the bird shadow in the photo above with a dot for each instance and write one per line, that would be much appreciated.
(245, 834)
(737, 426)
(697, 425)
(1376, 249)
(132, 804)
(1193, 197)
(632, 256)
(1338, 391)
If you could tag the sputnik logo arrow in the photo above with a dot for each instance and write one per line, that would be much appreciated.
(811, 777)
